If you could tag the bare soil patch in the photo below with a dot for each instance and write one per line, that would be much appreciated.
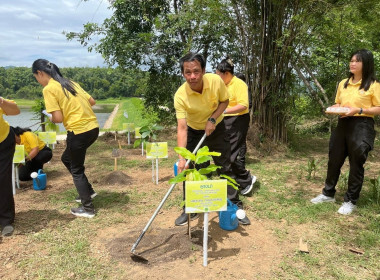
(250, 252)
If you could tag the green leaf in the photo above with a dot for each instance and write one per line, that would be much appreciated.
(229, 179)
(197, 176)
(179, 178)
(157, 127)
(137, 143)
(185, 153)
(232, 185)
(202, 159)
(145, 134)
(209, 169)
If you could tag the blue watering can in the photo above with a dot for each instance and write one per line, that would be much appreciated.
(228, 220)
(39, 180)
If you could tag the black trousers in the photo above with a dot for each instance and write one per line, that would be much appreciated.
(35, 164)
(237, 128)
(7, 204)
(73, 158)
(216, 142)
(353, 137)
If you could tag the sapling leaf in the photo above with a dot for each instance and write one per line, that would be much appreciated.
(202, 159)
(144, 134)
(185, 153)
(232, 185)
(137, 143)
(157, 127)
(209, 169)
(197, 176)
(177, 179)
(181, 176)
(204, 149)
(230, 181)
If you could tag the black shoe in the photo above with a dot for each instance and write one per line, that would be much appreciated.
(7, 230)
(245, 221)
(248, 189)
(81, 212)
(182, 219)
(77, 199)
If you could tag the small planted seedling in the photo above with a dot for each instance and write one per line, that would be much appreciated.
(148, 133)
(191, 174)
(203, 155)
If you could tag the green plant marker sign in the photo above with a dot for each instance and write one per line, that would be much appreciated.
(157, 150)
(49, 137)
(19, 155)
(137, 132)
(206, 196)
(129, 127)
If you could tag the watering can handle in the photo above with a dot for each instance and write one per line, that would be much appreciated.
(229, 203)
(40, 171)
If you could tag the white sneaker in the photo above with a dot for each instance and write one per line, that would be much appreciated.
(346, 208)
(248, 189)
(322, 198)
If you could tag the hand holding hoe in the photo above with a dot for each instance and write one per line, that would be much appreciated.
(134, 255)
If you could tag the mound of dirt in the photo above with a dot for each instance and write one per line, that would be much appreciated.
(117, 177)
(160, 245)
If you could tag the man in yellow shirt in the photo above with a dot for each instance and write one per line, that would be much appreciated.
(199, 105)
(237, 123)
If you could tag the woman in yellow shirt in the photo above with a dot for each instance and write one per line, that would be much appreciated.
(355, 134)
(68, 103)
(7, 149)
(37, 152)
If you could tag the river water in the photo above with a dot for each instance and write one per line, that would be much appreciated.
(27, 119)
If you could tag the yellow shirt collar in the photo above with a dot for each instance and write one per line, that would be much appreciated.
(358, 83)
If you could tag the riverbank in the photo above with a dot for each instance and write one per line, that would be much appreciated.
(109, 121)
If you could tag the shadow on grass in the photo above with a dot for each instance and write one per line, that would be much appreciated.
(36, 220)
(111, 200)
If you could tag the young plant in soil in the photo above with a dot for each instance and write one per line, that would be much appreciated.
(192, 174)
(148, 133)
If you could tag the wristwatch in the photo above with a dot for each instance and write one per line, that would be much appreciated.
(212, 120)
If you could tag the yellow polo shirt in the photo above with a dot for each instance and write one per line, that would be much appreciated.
(352, 96)
(30, 141)
(197, 107)
(78, 115)
(238, 91)
(4, 125)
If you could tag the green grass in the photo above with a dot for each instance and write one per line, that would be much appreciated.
(280, 202)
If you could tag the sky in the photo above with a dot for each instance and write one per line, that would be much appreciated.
(32, 29)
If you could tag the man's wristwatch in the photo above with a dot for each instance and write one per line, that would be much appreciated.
(212, 120)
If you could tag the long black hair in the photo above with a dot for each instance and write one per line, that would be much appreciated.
(226, 65)
(368, 72)
(18, 130)
(53, 70)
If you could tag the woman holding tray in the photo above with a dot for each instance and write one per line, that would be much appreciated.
(38, 153)
(355, 134)
(7, 149)
(67, 102)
